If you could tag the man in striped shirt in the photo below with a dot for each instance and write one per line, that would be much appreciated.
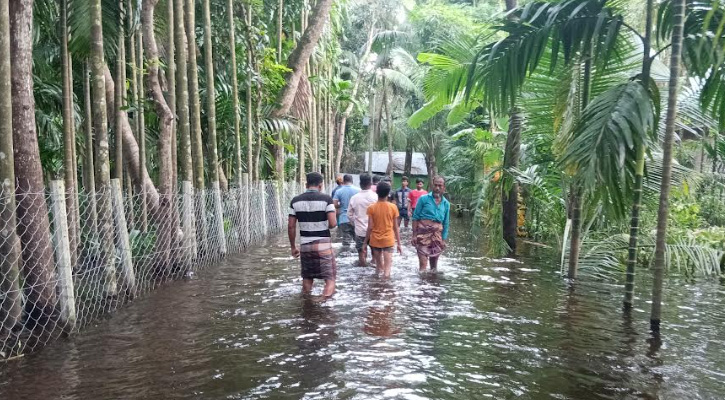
(314, 212)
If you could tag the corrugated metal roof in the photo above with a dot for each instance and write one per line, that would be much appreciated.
(380, 163)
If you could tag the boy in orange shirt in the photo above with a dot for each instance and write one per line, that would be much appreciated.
(383, 230)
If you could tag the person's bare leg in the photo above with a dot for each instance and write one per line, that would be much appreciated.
(361, 258)
(434, 263)
(388, 264)
(307, 286)
(329, 288)
(422, 262)
(378, 259)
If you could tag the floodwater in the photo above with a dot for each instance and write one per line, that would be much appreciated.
(478, 328)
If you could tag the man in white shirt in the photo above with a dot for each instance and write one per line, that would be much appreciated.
(357, 212)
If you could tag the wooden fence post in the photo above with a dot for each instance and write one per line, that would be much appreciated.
(219, 218)
(263, 203)
(123, 243)
(61, 246)
(246, 209)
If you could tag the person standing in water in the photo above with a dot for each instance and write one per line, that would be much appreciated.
(383, 231)
(415, 194)
(403, 202)
(431, 220)
(342, 201)
(357, 213)
(315, 213)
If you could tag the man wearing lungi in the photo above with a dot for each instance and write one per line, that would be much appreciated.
(315, 213)
(431, 219)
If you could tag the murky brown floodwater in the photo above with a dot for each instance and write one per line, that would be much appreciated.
(477, 329)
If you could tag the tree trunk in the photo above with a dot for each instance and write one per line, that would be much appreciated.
(389, 170)
(576, 190)
(408, 156)
(210, 94)
(280, 17)
(32, 212)
(182, 92)
(314, 124)
(251, 167)
(197, 153)
(235, 95)
(102, 170)
(141, 133)
(348, 110)
(639, 172)
(166, 227)
(119, 98)
(509, 200)
(301, 55)
(89, 164)
(512, 150)
(171, 96)
(68, 138)
(10, 307)
(659, 263)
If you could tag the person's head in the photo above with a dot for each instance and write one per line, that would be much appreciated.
(338, 180)
(347, 179)
(439, 185)
(376, 179)
(383, 190)
(365, 181)
(404, 181)
(419, 184)
(314, 180)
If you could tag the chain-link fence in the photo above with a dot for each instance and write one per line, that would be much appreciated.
(79, 257)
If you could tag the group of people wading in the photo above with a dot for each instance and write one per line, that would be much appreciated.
(369, 216)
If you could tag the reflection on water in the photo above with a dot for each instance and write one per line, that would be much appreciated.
(478, 328)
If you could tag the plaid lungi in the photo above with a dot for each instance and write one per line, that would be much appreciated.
(430, 241)
(318, 260)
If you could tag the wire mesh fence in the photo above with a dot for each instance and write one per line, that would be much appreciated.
(78, 257)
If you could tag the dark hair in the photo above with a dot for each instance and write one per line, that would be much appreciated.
(314, 179)
(387, 179)
(365, 181)
(404, 179)
(376, 179)
(383, 190)
(347, 178)
(419, 180)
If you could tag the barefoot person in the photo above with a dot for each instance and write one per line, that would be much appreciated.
(383, 231)
(342, 202)
(430, 225)
(357, 213)
(415, 194)
(315, 214)
(403, 201)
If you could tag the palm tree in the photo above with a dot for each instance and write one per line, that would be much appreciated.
(678, 22)
(210, 95)
(182, 98)
(10, 308)
(235, 92)
(32, 211)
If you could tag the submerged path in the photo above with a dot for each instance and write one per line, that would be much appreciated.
(479, 328)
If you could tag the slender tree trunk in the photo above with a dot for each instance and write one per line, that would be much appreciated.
(171, 96)
(32, 212)
(314, 124)
(235, 94)
(10, 306)
(639, 172)
(301, 55)
(166, 227)
(280, 17)
(68, 137)
(182, 87)
(197, 153)
(408, 156)
(389, 170)
(120, 95)
(348, 110)
(210, 94)
(143, 217)
(659, 263)
(576, 190)
(251, 166)
(102, 172)
(512, 150)
(89, 164)
(371, 132)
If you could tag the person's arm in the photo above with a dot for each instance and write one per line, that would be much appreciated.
(416, 218)
(397, 232)
(292, 234)
(351, 212)
(331, 215)
(446, 221)
(367, 235)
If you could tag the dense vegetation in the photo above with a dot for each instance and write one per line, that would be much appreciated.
(600, 120)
